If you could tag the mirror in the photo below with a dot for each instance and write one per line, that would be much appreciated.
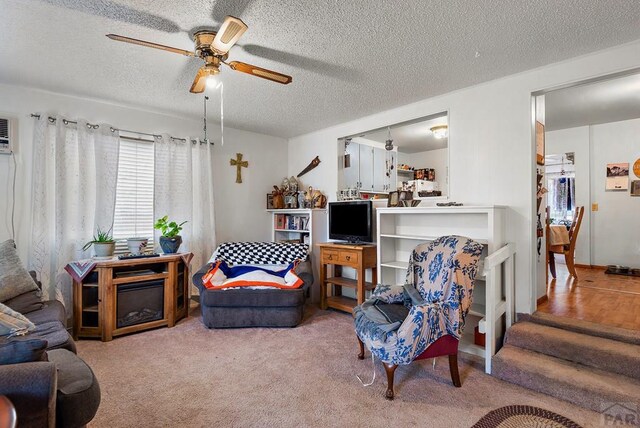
(412, 155)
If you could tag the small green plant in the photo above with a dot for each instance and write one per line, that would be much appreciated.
(100, 236)
(167, 228)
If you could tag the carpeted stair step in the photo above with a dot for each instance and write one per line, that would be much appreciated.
(585, 386)
(604, 354)
(583, 327)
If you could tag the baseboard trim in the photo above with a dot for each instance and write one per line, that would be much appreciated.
(590, 266)
(542, 299)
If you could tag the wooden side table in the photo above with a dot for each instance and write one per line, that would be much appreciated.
(332, 258)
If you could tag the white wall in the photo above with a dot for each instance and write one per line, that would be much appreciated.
(615, 229)
(239, 208)
(610, 235)
(491, 146)
(435, 159)
(576, 140)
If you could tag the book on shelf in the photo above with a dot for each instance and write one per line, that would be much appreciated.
(290, 222)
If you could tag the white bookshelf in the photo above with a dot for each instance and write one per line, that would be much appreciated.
(400, 230)
(314, 231)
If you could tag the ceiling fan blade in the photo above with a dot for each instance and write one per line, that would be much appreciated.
(149, 44)
(230, 31)
(200, 82)
(260, 72)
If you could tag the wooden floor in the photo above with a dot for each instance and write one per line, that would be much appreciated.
(595, 296)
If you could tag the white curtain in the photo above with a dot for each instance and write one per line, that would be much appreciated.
(74, 189)
(184, 191)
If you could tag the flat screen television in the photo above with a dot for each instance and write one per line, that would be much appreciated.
(351, 221)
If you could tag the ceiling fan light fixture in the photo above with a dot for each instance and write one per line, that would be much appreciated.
(440, 131)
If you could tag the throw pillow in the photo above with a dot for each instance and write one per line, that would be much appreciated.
(13, 323)
(14, 278)
(26, 302)
(22, 350)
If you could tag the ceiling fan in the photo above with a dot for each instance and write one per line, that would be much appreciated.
(213, 47)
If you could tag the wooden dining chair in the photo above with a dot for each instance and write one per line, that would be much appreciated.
(570, 249)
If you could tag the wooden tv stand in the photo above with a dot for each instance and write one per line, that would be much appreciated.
(95, 298)
(357, 256)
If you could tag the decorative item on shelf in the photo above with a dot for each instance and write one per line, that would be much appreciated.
(291, 201)
(349, 194)
(293, 185)
(314, 163)
(278, 198)
(170, 240)
(239, 164)
(429, 193)
(449, 204)
(103, 243)
(137, 246)
(318, 200)
(410, 203)
(270, 201)
(301, 199)
(392, 200)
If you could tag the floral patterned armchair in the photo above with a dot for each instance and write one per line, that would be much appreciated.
(425, 317)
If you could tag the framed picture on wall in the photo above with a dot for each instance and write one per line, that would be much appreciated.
(635, 188)
(617, 176)
(539, 143)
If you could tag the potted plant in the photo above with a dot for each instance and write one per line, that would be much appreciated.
(103, 243)
(170, 240)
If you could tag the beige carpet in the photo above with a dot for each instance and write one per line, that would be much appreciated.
(301, 377)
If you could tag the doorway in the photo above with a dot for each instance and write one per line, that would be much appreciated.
(588, 233)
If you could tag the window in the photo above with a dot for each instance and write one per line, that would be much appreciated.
(134, 192)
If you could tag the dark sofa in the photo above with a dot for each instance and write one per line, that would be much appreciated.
(61, 390)
(244, 307)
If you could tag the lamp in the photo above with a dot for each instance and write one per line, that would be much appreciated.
(388, 145)
(440, 131)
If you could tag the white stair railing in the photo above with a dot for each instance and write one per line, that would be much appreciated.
(500, 297)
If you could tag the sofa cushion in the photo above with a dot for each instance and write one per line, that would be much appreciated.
(252, 298)
(26, 302)
(12, 322)
(52, 310)
(14, 278)
(22, 349)
(56, 335)
(78, 395)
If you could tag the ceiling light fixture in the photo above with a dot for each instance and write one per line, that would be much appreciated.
(440, 131)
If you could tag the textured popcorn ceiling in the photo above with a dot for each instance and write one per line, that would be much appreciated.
(347, 58)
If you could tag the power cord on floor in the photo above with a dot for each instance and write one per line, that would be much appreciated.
(373, 363)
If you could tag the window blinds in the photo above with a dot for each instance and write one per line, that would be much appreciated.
(134, 193)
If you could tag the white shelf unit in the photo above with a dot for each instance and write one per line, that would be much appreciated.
(400, 230)
(315, 230)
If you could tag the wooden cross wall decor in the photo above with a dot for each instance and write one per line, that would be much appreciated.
(239, 163)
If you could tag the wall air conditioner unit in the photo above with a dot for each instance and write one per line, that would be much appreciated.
(8, 132)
